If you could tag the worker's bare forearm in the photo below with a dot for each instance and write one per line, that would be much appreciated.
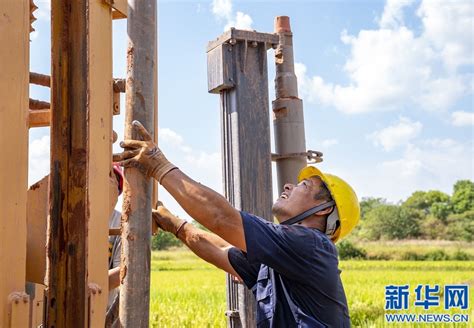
(207, 207)
(114, 278)
(209, 247)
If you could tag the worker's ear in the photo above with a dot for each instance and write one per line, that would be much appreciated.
(326, 211)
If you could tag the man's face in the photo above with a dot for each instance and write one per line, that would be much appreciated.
(296, 199)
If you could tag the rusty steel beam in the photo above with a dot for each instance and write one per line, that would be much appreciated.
(137, 203)
(100, 155)
(237, 70)
(39, 118)
(45, 80)
(40, 113)
(67, 238)
(38, 104)
(288, 118)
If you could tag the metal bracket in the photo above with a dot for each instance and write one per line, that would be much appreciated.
(118, 87)
(312, 156)
(20, 309)
(233, 35)
(94, 292)
(120, 8)
(232, 313)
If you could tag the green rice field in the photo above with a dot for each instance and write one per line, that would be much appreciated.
(188, 292)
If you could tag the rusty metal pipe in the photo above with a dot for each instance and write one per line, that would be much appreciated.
(137, 203)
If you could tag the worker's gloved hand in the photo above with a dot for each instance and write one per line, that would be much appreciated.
(166, 220)
(144, 154)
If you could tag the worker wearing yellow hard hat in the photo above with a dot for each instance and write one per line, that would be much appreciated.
(291, 267)
(346, 212)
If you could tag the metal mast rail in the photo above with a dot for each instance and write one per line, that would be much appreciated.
(67, 239)
(237, 70)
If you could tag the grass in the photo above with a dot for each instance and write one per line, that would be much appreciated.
(185, 291)
(188, 292)
(399, 249)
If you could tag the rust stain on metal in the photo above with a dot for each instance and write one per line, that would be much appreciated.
(130, 53)
(35, 186)
(288, 98)
(280, 112)
(123, 273)
(127, 206)
(279, 59)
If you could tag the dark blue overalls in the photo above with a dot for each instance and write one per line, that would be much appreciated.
(293, 273)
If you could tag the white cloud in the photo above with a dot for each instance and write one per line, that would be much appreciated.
(44, 9)
(393, 67)
(34, 35)
(433, 164)
(202, 166)
(329, 142)
(461, 118)
(241, 21)
(223, 10)
(392, 16)
(38, 161)
(405, 167)
(395, 135)
(169, 136)
(448, 27)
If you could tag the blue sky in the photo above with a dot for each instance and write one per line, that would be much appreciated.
(387, 88)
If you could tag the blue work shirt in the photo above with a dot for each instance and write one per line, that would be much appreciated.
(297, 259)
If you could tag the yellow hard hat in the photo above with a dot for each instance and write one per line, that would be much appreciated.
(347, 204)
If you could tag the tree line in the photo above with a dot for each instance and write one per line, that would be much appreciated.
(424, 215)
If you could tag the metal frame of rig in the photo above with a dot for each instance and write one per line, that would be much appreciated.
(54, 234)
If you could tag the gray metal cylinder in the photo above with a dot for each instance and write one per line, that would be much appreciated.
(288, 117)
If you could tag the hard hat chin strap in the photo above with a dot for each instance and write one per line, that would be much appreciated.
(309, 212)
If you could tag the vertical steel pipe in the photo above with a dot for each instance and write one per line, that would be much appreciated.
(288, 118)
(137, 204)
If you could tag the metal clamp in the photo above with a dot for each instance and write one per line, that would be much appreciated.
(232, 313)
(312, 156)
